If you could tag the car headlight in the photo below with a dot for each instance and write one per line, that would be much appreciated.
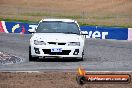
(36, 42)
(74, 44)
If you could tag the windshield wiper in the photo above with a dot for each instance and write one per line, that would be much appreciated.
(70, 33)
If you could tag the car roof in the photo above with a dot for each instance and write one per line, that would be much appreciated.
(64, 20)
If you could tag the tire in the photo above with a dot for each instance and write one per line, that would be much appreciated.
(30, 56)
(82, 58)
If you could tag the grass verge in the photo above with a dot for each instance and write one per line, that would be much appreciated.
(70, 17)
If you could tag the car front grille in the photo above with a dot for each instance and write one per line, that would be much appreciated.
(64, 52)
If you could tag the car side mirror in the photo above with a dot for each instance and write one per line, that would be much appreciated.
(32, 30)
(84, 33)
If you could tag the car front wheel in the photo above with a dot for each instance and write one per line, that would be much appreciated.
(30, 56)
(82, 58)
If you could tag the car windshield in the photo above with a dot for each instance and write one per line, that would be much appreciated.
(58, 27)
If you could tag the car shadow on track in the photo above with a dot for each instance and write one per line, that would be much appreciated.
(57, 60)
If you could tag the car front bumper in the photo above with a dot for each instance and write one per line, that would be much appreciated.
(67, 51)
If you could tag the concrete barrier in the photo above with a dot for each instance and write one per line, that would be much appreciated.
(129, 34)
(100, 32)
(106, 32)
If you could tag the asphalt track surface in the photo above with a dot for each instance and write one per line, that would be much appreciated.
(100, 55)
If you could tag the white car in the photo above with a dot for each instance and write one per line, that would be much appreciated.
(59, 38)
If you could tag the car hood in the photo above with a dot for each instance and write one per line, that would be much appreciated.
(57, 37)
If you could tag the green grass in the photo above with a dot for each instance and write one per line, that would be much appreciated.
(80, 23)
(86, 24)
(17, 20)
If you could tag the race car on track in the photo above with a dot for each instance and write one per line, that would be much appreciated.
(59, 38)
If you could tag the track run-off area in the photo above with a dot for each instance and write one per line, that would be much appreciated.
(100, 55)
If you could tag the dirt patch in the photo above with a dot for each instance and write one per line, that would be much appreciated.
(6, 59)
(49, 80)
